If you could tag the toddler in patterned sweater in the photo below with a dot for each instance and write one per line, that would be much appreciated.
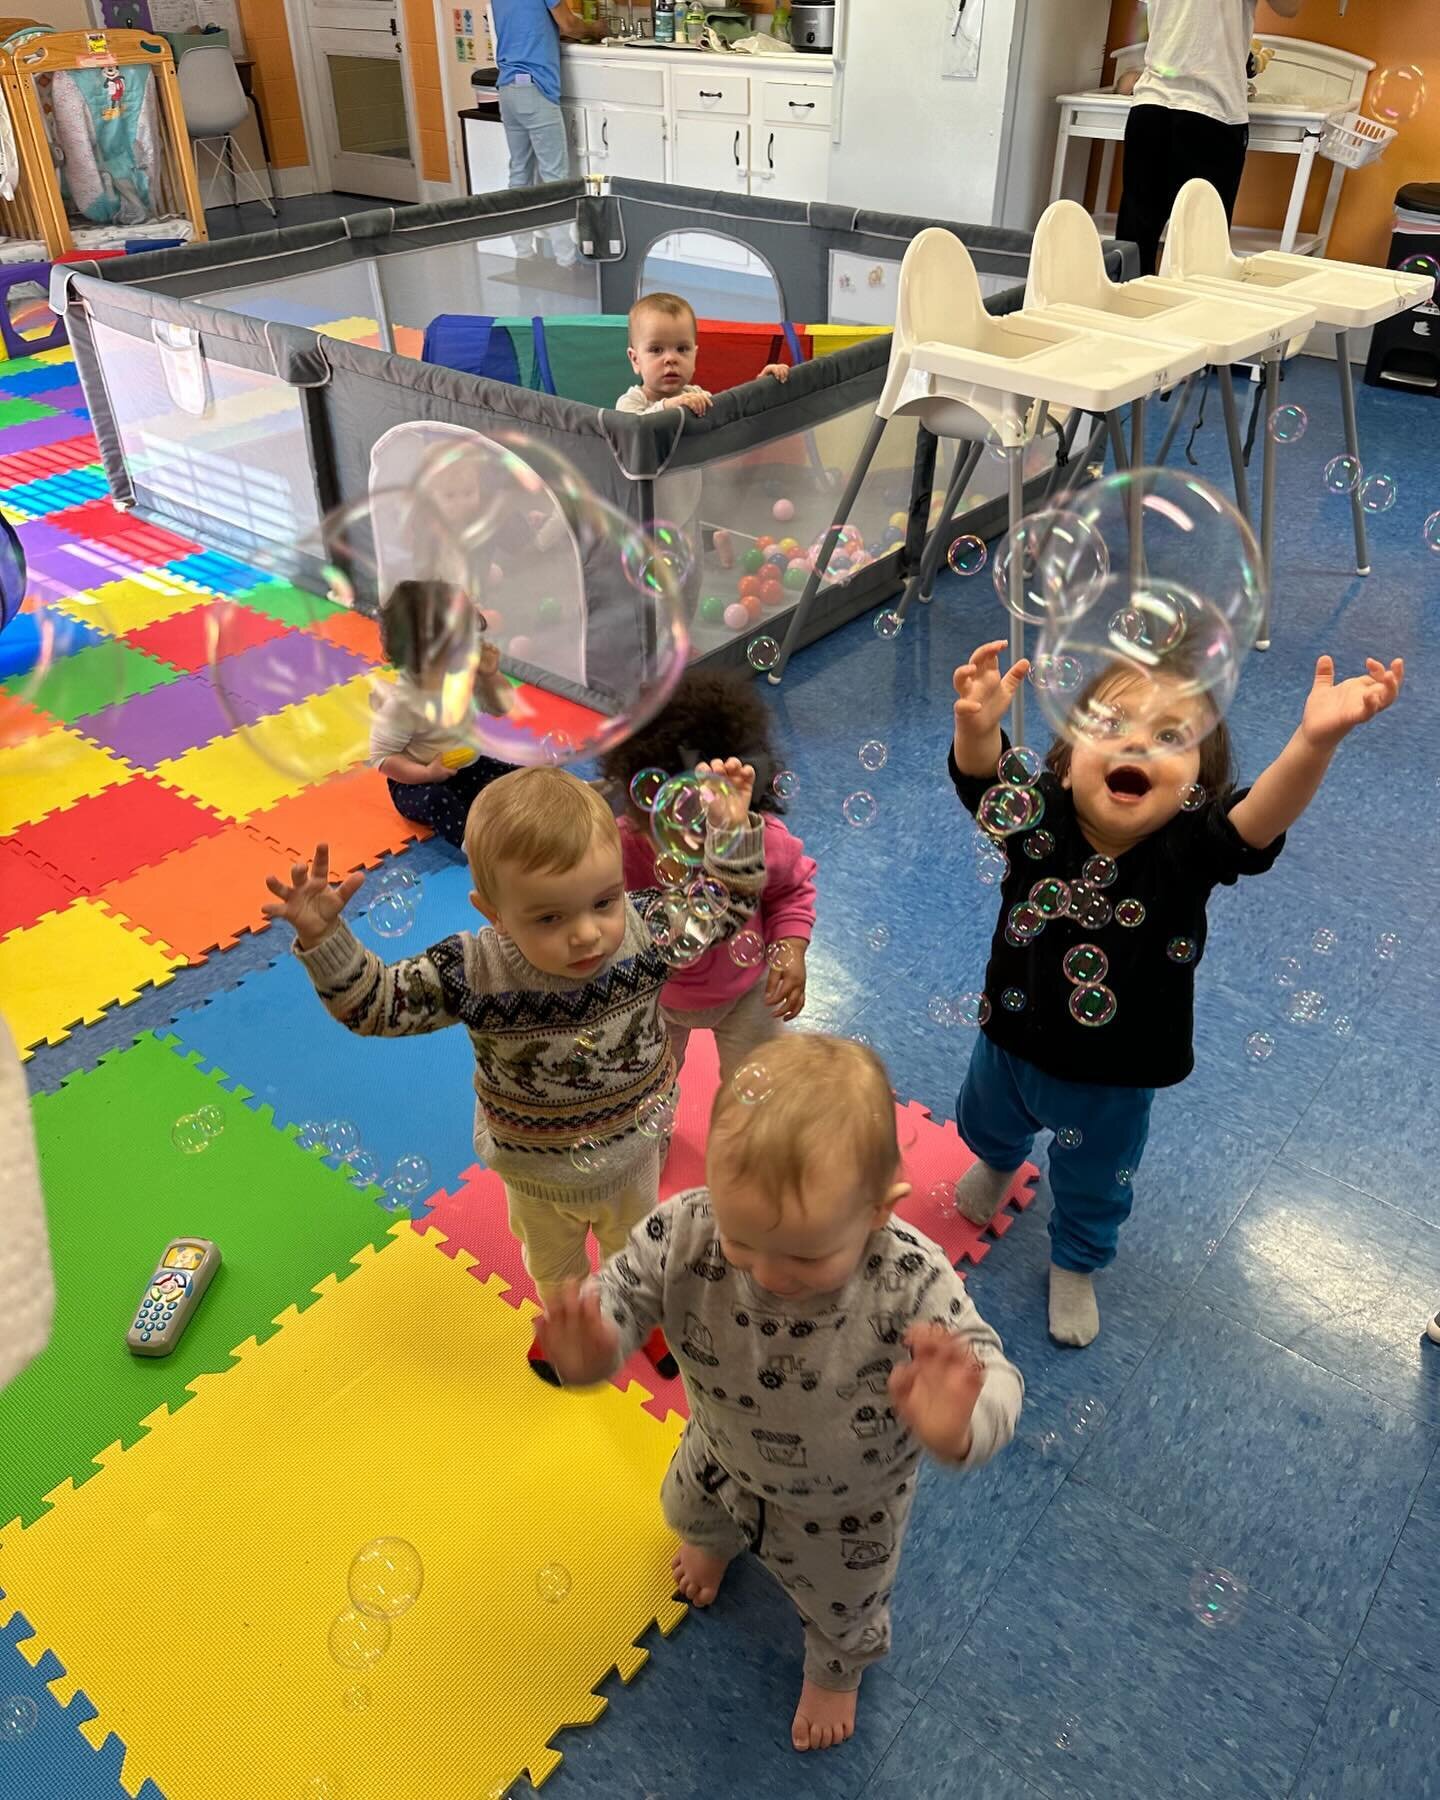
(560, 994)
(825, 1349)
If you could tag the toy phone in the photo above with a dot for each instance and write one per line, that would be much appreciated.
(172, 1295)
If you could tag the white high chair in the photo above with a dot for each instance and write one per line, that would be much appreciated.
(964, 374)
(1345, 296)
(1067, 282)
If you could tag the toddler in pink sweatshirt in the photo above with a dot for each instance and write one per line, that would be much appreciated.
(742, 1002)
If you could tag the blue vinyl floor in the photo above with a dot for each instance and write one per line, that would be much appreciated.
(1259, 1401)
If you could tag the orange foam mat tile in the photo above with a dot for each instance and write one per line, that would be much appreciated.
(70, 966)
(352, 813)
(351, 631)
(201, 898)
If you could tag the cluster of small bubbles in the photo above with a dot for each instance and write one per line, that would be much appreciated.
(1379, 493)
(1005, 809)
(1084, 1414)
(992, 865)
(1069, 1137)
(942, 1198)
(1342, 1025)
(762, 653)
(752, 1083)
(342, 1138)
(1089, 908)
(363, 1168)
(645, 787)
(1130, 913)
(708, 897)
(193, 1132)
(1099, 871)
(553, 1583)
(390, 915)
(972, 1010)
(888, 624)
(1056, 674)
(655, 1116)
(1397, 93)
(1124, 1176)
(1181, 950)
(1085, 963)
(1305, 1006)
(747, 949)
(1324, 941)
(940, 1010)
(1013, 999)
(386, 1578)
(358, 1639)
(1192, 797)
(19, 1715)
(1287, 424)
(1342, 474)
(1050, 897)
(310, 1135)
(1019, 766)
(1023, 923)
(586, 1155)
(1387, 946)
(878, 937)
(1038, 845)
(1259, 1046)
(1092, 1004)
(873, 755)
(785, 784)
(411, 1175)
(967, 555)
(1287, 971)
(1217, 1598)
(1432, 533)
(860, 809)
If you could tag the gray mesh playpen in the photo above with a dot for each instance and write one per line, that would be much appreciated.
(238, 388)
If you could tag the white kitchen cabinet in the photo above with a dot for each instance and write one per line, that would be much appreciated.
(625, 140)
(789, 162)
(711, 153)
(574, 117)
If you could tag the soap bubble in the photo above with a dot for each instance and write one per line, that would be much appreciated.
(940, 1010)
(873, 755)
(1019, 766)
(785, 784)
(188, 1135)
(1192, 797)
(1066, 1732)
(397, 878)
(411, 1175)
(1013, 999)
(1124, 1176)
(747, 949)
(358, 1639)
(1396, 93)
(1432, 533)
(310, 1135)
(752, 1083)
(1062, 556)
(386, 1577)
(762, 653)
(586, 1155)
(390, 915)
(1099, 871)
(671, 871)
(888, 624)
(1287, 424)
(19, 1715)
(1217, 1598)
(1342, 1026)
(1324, 941)
(992, 865)
(655, 1117)
(342, 1138)
(645, 787)
(1038, 845)
(1055, 674)
(1287, 971)
(1069, 1137)
(1084, 1415)
(1259, 1046)
(363, 1168)
(1342, 474)
(1130, 913)
(860, 809)
(1004, 809)
(553, 1583)
(780, 955)
(678, 818)
(1085, 963)
(356, 1699)
(972, 1010)
(1305, 1006)
(1089, 908)
(1378, 493)
(1050, 897)
(1024, 922)
(1182, 950)
(1387, 946)
(1093, 1004)
(663, 559)
(878, 937)
(942, 1198)
(967, 555)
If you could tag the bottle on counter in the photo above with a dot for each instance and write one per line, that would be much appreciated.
(664, 21)
(695, 23)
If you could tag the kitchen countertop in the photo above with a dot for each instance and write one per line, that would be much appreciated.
(800, 61)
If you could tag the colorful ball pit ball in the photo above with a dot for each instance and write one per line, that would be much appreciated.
(752, 560)
(796, 576)
(749, 585)
(791, 546)
(736, 617)
(783, 510)
(713, 609)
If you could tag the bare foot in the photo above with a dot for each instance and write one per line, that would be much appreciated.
(698, 1574)
(825, 1716)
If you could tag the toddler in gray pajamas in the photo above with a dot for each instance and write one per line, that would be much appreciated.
(824, 1348)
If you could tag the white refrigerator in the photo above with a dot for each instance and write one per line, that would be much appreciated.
(913, 138)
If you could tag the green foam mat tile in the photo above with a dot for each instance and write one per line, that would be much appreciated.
(116, 1191)
(92, 679)
(289, 605)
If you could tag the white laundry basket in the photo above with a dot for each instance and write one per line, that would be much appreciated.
(1355, 140)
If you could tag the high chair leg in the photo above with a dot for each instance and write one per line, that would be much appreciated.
(1232, 438)
(1267, 500)
(1016, 460)
(922, 582)
(1352, 445)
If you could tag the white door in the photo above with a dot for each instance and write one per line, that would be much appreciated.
(622, 140)
(712, 153)
(357, 48)
(789, 162)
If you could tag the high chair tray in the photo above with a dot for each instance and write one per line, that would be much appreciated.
(1167, 312)
(1086, 369)
(1346, 296)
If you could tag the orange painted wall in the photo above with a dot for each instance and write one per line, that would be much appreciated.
(425, 80)
(267, 38)
(1388, 32)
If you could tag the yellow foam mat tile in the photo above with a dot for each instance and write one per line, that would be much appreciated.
(50, 771)
(190, 1587)
(63, 355)
(68, 967)
(137, 601)
(349, 329)
(280, 755)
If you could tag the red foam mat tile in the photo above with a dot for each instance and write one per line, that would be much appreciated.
(193, 640)
(28, 889)
(109, 835)
(23, 466)
(102, 523)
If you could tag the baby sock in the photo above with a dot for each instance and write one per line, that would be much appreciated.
(980, 1191)
(659, 1353)
(1074, 1316)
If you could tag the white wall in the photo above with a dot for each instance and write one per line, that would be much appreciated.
(64, 15)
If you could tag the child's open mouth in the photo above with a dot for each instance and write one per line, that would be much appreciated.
(1127, 782)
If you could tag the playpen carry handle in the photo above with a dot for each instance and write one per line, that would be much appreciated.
(792, 338)
(542, 356)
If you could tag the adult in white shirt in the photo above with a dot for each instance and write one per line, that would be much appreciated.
(1191, 113)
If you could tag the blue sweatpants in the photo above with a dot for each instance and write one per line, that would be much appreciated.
(1006, 1100)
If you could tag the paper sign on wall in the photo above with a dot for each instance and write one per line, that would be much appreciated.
(960, 52)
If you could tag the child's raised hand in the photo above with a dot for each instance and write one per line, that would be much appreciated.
(727, 791)
(776, 372)
(580, 1343)
(935, 1392)
(695, 402)
(1334, 709)
(309, 903)
(983, 694)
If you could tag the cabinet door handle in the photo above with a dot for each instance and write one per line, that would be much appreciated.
(737, 149)
(802, 105)
(770, 151)
(605, 134)
(707, 94)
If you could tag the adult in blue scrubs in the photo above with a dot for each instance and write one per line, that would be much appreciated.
(527, 48)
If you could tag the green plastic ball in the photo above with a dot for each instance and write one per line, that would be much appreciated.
(752, 561)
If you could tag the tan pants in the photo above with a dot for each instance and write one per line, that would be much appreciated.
(554, 1238)
(740, 1027)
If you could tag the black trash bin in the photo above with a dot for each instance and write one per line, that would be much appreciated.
(1405, 351)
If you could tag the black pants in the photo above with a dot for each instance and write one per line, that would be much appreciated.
(1165, 148)
(442, 805)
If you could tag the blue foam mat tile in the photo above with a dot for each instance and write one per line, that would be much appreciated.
(220, 574)
(55, 493)
(53, 1761)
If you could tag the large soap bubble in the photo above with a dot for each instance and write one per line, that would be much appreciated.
(522, 616)
(1060, 556)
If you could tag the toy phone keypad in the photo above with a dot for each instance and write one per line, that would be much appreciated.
(172, 1295)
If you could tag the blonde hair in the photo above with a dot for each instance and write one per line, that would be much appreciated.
(669, 306)
(827, 1102)
(533, 819)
